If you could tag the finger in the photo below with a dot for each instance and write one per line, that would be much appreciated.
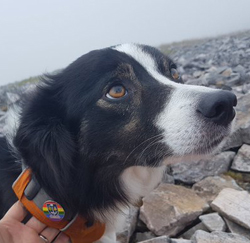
(50, 233)
(36, 225)
(61, 238)
(17, 212)
(42, 239)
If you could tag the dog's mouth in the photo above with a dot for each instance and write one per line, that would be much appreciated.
(209, 147)
(199, 150)
(197, 154)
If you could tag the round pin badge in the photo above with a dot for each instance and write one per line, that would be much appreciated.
(53, 210)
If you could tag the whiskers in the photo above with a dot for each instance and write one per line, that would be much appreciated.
(154, 150)
(152, 141)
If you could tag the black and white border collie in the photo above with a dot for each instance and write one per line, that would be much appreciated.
(98, 134)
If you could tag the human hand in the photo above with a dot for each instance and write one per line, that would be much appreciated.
(13, 231)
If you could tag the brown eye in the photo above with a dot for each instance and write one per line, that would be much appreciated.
(116, 92)
(174, 73)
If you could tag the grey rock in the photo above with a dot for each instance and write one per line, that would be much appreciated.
(189, 233)
(241, 161)
(201, 57)
(198, 65)
(227, 72)
(213, 222)
(144, 236)
(234, 205)
(242, 46)
(220, 70)
(218, 237)
(181, 70)
(141, 226)
(162, 239)
(241, 129)
(197, 74)
(237, 229)
(169, 209)
(242, 71)
(195, 81)
(191, 172)
(180, 241)
(167, 177)
(186, 77)
(212, 78)
(210, 187)
(245, 88)
(130, 225)
(234, 79)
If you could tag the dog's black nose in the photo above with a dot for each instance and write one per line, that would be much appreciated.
(218, 107)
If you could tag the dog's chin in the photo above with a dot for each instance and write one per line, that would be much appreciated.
(212, 147)
(198, 153)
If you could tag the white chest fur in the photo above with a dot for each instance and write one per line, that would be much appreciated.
(140, 181)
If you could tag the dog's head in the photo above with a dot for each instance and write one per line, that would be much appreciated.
(112, 109)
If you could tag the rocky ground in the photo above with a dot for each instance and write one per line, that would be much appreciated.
(204, 201)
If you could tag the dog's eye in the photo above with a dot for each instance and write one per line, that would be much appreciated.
(174, 73)
(116, 92)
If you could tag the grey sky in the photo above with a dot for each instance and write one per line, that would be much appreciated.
(43, 35)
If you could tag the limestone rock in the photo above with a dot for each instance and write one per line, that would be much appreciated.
(213, 222)
(191, 172)
(210, 187)
(242, 159)
(130, 224)
(162, 239)
(227, 72)
(241, 131)
(234, 205)
(237, 229)
(234, 79)
(180, 241)
(245, 88)
(218, 237)
(144, 236)
(170, 208)
(189, 233)
(167, 177)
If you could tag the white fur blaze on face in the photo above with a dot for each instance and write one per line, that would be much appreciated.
(145, 60)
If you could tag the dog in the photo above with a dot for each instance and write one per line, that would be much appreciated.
(98, 134)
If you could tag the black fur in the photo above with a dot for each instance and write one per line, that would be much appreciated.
(9, 171)
(78, 142)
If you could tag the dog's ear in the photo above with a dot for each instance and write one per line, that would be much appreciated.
(45, 143)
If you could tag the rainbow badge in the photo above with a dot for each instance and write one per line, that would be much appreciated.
(53, 210)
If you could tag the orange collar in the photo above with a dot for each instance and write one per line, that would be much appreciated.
(53, 215)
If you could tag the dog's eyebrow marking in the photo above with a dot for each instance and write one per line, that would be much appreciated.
(146, 61)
